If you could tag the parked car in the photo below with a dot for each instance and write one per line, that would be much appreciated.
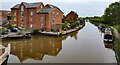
(108, 38)
(14, 29)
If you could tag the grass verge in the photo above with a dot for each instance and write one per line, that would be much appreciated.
(116, 46)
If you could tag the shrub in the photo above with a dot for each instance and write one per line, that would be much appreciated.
(55, 31)
(47, 30)
(73, 25)
(39, 31)
(64, 26)
(35, 30)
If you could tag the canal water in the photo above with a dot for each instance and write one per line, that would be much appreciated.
(83, 46)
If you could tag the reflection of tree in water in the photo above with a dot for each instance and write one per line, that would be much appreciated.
(36, 47)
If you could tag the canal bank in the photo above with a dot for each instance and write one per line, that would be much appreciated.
(83, 46)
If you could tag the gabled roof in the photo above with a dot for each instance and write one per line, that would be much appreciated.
(46, 10)
(52, 6)
(72, 12)
(5, 12)
(27, 5)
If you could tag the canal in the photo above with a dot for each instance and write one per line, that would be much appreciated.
(83, 46)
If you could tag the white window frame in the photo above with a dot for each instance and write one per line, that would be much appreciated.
(41, 6)
(42, 19)
(31, 19)
(22, 8)
(22, 21)
(14, 19)
(42, 26)
(15, 24)
(21, 14)
(15, 14)
(31, 25)
(53, 20)
(31, 13)
(22, 25)
(57, 13)
(53, 14)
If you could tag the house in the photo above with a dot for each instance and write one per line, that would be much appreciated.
(3, 16)
(36, 15)
(72, 16)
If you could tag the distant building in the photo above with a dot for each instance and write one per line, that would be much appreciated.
(36, 15)
(3, 15)
(72, 16)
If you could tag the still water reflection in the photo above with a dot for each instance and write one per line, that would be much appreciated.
(83, 46)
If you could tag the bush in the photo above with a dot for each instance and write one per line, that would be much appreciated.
(35, 30)
(55, 31)
(39, 31)
(64, 26)
(73, 25)
(47, 30)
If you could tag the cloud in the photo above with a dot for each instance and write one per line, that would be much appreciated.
(82, 7)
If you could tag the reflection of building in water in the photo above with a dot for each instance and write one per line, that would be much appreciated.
(36, 48)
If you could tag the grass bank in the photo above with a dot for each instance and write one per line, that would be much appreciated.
(117, 28)
(116, 46)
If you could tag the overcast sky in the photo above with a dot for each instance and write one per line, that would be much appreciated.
(82, 7)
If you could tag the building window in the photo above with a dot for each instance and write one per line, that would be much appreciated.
(31, 13)
(22, 25)
(15, 14)
(53, 14)
(0, 13)
(22, 8)
(53, 20)
(41, 6)
(22, 20)
(41, 25)
(41, 19)
(14, 19)
(31, 26)
(22, 14)
(57, 13)
(15, 24)
(31, 19)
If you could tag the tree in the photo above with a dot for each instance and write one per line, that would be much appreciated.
(111, 14)
(9, 17)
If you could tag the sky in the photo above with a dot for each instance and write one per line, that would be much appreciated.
(83, 8)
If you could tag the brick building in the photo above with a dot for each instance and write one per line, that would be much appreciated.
(3, 15)
(72, 16)
(36, 15)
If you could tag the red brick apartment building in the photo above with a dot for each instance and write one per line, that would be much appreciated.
(3, 15)
(36, 15)
(72, 16)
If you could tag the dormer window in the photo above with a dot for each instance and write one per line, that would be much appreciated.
(22, 8)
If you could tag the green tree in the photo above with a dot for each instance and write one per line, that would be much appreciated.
(111, 15)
